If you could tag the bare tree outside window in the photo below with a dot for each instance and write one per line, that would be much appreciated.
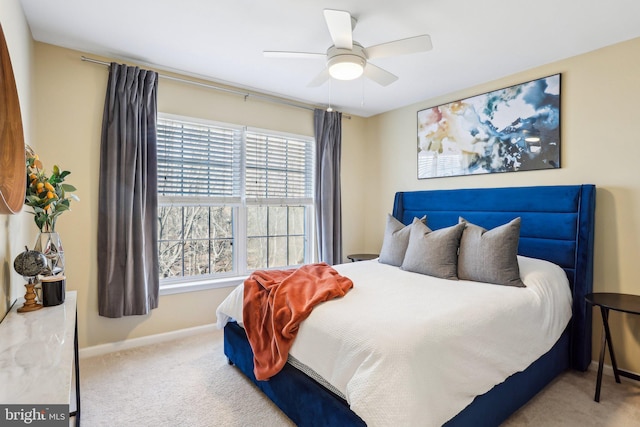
(195, 240)
(275, 236)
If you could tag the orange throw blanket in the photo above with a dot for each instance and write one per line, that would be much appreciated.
(276, 302)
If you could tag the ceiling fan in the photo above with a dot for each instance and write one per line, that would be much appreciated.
(348, 60)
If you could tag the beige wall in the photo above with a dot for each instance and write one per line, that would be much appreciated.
(599, 145)
(15, 230)
(600, 140)
(69, 109)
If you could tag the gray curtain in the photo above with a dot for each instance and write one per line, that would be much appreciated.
(128, 279)
(328, 133)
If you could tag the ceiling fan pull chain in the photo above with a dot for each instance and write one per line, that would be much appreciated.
(330, 109)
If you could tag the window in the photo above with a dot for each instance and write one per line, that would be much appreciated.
(231, 200)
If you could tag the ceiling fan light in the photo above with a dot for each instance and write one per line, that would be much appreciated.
(346, 67)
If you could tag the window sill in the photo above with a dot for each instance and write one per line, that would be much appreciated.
(200, 285)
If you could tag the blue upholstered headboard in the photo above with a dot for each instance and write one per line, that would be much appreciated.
(557, 226)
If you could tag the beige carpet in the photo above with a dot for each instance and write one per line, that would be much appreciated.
(188, 383)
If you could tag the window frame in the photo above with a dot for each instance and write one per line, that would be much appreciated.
(180, 284)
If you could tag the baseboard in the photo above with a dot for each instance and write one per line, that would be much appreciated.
(606, 369)
(99, 350)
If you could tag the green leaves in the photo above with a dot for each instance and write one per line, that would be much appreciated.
(48, 196)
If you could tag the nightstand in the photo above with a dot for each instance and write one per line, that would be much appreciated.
(362, 257)
(617, 302)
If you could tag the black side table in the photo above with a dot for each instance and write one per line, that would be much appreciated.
(616, 302)
(362, 257)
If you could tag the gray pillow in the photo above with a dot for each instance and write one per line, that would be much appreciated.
(434, 253)
(490, 256)
(396, 239)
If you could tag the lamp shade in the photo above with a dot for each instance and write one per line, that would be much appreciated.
(346, 67)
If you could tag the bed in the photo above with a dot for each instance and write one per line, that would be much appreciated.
(557, 225)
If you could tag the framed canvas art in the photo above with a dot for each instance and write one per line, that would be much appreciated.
(507, 130)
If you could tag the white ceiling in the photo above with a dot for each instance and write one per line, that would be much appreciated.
(222, 41)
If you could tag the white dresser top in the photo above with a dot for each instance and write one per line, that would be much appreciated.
(36, 354)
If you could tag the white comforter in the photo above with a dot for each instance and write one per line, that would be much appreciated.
(413, 350)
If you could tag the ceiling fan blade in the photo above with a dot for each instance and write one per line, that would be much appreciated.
(295, 55)
(378, 75)
(400, 47)
(340, 28)
(320, 78)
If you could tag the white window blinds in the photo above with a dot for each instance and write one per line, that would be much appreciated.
(197, 160)
(278, 167)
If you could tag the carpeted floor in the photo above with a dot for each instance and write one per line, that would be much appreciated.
(188, 383)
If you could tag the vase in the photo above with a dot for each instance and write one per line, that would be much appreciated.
(49, 243)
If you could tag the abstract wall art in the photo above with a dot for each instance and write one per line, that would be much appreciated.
(512, 129)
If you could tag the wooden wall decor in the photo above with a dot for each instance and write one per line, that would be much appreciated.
(12, 159)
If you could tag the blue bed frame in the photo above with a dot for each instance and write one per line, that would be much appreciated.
(557, 225)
